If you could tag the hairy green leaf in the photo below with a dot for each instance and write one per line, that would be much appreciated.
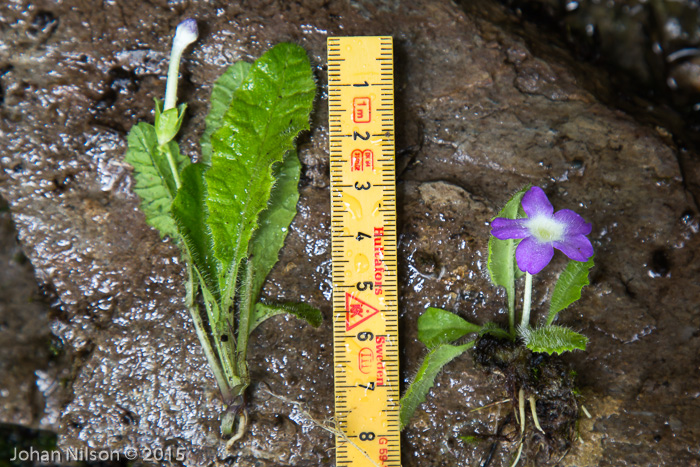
(190, 213)
(553, 339)
(264, 311)
(221, 97)
(568, 287)
(425, 378)
(501, 260)
(495, 330)
(437, 327)
(274, 221)
(155, 182)
(268, 110)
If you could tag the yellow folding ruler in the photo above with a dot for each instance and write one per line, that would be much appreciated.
(365, 291)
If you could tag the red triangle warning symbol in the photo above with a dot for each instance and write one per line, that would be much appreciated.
(357, 311)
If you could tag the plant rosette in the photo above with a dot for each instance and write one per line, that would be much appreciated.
(522, 358)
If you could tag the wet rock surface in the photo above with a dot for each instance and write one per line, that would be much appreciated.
(653, 46)
(31, 363)
(478, 116)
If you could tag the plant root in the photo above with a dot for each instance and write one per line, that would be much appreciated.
(533, 409)
(329, 425)
(521, 407)
(547, 384)
(517, 457)
(241, 414)
(585, 411)
(235, 417)
(488, 406)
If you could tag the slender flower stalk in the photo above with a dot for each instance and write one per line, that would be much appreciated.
(527, 301)
(168, 122)
(173, 168)
(185, 34)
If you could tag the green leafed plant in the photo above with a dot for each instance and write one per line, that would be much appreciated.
(524, 235)
(229, 212)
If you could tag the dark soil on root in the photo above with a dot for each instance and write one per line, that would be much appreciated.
(549, 381)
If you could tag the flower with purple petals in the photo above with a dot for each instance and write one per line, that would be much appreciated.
(542, 231)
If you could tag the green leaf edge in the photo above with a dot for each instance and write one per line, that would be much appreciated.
(437, 326)
(189, 212)
(568, 288)
(220, 100)
(512, 210)
(495, 330)
(424, 379)
(154, 182)
(264, 311)
(274, 221)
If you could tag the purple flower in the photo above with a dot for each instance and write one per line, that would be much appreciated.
(542, 231)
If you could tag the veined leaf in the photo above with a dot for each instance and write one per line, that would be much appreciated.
(264, 311)
(190, 213)
(155, 181)
(425, 378)
(274, 221)
(501, 261)
(189, 207)
(221, 96)
(568, 287)
(270, 107)
(437, 327)
(553, 339)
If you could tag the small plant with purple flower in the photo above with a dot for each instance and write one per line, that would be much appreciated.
(523, 238)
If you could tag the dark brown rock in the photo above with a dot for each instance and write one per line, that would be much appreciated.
(478, 116)
(33, 369)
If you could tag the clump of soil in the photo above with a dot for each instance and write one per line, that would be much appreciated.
(545, 378)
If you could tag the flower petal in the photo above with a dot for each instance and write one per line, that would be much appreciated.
(535, 203)
(532, 256)
(576, 247)
(575, 224)
(505, 229)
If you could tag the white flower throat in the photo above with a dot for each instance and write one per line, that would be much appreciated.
(546, 229)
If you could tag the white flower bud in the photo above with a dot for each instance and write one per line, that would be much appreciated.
(185, 34)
